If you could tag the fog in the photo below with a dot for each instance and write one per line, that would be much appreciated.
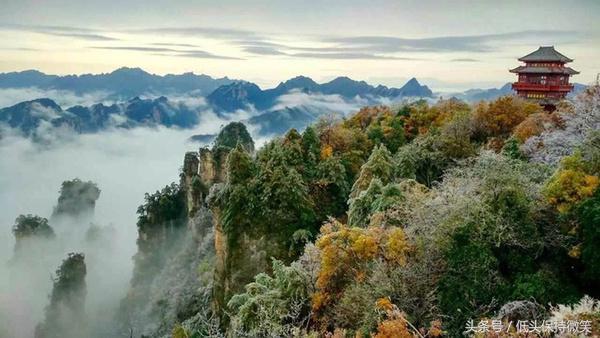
(125, 164)
(333, 103)
(64, 98)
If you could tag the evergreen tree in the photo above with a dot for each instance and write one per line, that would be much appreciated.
(27, 228)
(77, 198)
(231, 135)
(379, 165)
(421, 160)
(65, 315)
(311, 148)
(589, 216)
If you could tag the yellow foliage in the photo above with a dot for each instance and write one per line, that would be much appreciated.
(367, 115)
(179, 332)
(326, 151)
(570, 184)
(396, 246)
(364, 246)
(318, 300)
(346, 253)
(384, 304)
(435, 330)
(575, 251)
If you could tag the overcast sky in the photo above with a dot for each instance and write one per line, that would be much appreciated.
(445, 44)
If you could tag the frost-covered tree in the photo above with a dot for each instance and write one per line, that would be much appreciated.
(422, 160)
(379, 165)
(554, 144)
(272, 305)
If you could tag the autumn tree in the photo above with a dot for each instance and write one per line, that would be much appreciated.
(348, 255)
(498, 118)
(570, 184)
(535, 124)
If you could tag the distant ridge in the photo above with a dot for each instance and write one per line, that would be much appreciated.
(240, 94)
(225, 94)
(123, 82)
(28, 116)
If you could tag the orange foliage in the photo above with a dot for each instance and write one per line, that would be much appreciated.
(396, 325)
(385, 304)
(326, 151)
(500, 117)
(534, 125)
(393, 328)
(367, 115)
(337, 139)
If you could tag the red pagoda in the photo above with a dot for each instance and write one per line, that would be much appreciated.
(544, 77)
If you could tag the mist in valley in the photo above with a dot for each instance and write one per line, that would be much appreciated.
(124, 164)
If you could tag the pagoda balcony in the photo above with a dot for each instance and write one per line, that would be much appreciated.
(548, 87)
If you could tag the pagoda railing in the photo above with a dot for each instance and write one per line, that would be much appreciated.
(542, 87)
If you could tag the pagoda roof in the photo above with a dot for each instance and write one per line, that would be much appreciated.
(545, 54)
(544, 70)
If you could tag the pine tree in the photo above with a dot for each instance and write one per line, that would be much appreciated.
(379, 165)
(65, 316)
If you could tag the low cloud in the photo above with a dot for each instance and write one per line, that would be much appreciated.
(64, 98)
(325, 103)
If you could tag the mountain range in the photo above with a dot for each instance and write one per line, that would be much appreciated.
(144, 99)
(123, 83)
(223, 96)
(240, 94)
(29, 116)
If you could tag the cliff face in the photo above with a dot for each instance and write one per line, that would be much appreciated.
(239, 255)
(201, 169)
(175, 240)
(179, 234)
(208, 171)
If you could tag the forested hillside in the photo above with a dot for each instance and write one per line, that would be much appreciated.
(401, 221)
